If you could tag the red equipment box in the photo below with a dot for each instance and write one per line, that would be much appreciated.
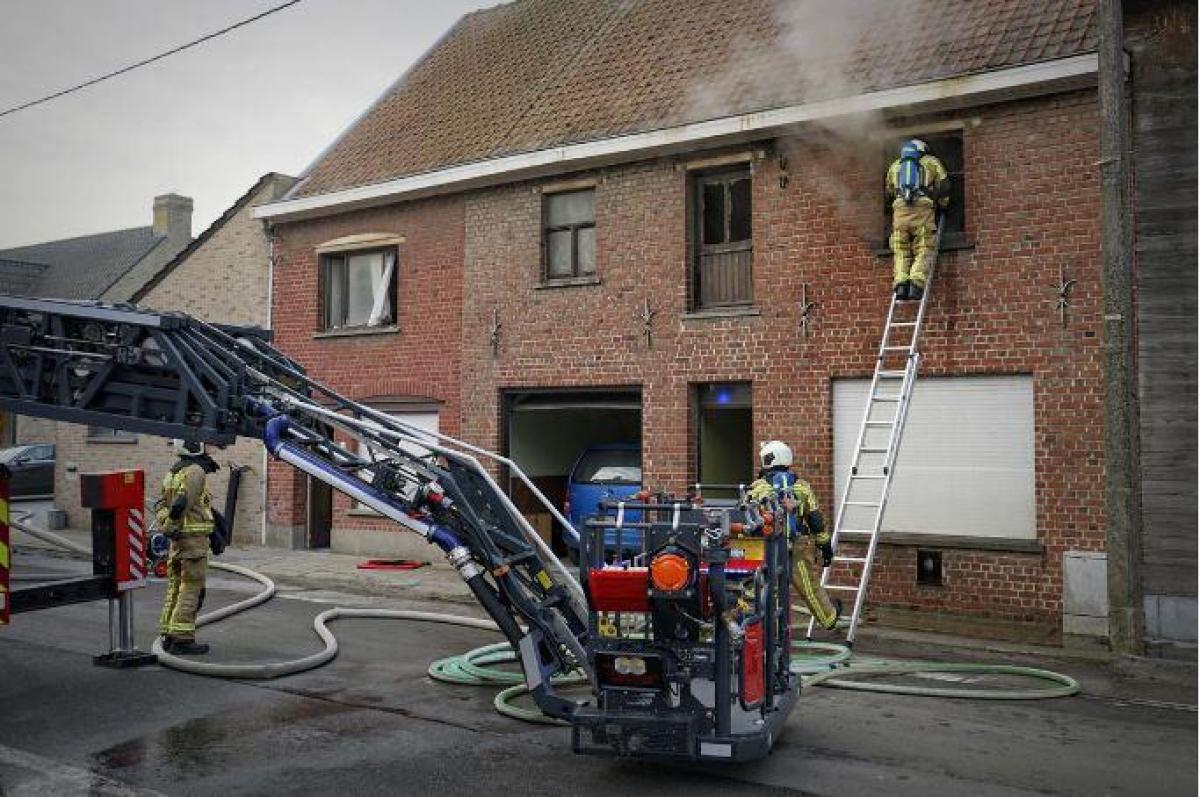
(118, 503)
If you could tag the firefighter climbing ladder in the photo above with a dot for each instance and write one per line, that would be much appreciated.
(865, 493)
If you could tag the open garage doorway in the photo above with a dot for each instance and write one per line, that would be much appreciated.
(546, 432)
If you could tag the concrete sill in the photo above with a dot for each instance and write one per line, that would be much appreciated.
(354, 332)
(721, 312)
(113, 441)
(360, 512)
(566, 283)
(916, 540)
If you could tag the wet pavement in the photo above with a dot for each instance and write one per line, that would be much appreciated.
(372, 722)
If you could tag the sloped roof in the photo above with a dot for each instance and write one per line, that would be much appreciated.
(18, 277)
(277, 182)
(534, 74)
(83, 267)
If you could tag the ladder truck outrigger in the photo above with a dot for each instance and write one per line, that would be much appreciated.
(682, 628)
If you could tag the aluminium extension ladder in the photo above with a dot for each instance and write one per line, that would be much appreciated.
(865, 494)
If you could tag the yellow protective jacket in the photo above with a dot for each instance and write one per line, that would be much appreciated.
(191, 481)
(937, 183)
(761, 491)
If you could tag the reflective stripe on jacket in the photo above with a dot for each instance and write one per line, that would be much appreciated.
(198, 516)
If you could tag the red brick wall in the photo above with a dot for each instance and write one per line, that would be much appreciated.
(420, 360)
(1032, 206)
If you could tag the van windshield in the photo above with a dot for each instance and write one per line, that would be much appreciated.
(617, 466)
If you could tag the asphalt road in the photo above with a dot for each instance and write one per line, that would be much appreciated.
(372, 723)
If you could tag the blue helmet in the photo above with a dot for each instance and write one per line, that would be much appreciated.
(914, 148)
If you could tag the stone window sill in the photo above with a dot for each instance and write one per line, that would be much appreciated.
(364, 512)
(354, 332)
(721, 312)
(566, 283)
(111, 441)
(918, 540)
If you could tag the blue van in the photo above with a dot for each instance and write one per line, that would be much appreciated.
(611, 472)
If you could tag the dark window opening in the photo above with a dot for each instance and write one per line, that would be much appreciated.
(724, 436)
(358, 289)
(948, 147)
(723, 250)
(569, 235)
(929, 568)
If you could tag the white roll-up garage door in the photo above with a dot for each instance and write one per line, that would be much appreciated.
(966, 463)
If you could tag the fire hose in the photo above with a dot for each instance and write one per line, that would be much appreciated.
(478, 667)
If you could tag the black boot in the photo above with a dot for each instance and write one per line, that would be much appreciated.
(902, 291)
(188, 647)
(915, 291)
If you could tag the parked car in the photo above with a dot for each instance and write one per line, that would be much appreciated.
(31, 468)
(611, 472)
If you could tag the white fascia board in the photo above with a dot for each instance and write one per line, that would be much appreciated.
(1048, 77)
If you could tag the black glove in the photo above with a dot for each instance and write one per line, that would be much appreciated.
(826, 554)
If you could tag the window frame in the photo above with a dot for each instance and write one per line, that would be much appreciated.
(726, 176)
(574, 229)
(325, 260)
(951, 237)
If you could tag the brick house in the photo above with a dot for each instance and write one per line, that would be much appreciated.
(222, 277)
(662, 222)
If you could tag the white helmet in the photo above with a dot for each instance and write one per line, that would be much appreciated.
(919, 145)
(775, 453)
(185, 448)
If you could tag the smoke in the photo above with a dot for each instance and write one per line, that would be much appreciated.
(812, 50)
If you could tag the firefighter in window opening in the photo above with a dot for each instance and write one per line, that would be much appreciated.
(796, 514)
(184, 512)
(919, 187)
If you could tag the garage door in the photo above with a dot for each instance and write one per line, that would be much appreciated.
(966, 464)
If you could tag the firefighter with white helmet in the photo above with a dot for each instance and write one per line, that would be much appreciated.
(919, 187)
(185, 514)
(796, 514)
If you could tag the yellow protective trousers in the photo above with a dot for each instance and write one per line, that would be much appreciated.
(806, 580)
(187, 564)
(913, 233)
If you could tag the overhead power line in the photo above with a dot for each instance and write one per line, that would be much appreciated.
(151, 60)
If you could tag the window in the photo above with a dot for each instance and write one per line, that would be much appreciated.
(966, 466)
(359, 289)
(569, 235)
(948, 147)
(724, 435)
(104, 434)
(722, 235)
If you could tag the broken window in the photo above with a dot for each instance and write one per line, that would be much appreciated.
(569, 235)
(359, 289)
(722, 209)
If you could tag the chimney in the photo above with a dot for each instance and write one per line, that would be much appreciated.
(173, 216)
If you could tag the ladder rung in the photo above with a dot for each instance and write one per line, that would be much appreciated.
(865, 476)
(892, 374)
(885, 398)
(896, 348)
(851, 559)
(843, 589)
(904, 323)
(861, 503)
(880, 423)
(856, 531)
(872, 450)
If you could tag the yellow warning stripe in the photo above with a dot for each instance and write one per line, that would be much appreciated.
(3, 558)
(4, 511)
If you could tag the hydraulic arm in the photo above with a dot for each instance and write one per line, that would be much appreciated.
(172, 375)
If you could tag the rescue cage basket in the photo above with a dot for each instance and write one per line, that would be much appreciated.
(688, 636)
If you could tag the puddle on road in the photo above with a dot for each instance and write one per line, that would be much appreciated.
(220, 741)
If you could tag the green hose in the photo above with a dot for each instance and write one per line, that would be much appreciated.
(471, 669)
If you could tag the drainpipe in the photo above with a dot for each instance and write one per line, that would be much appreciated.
(1126, 618)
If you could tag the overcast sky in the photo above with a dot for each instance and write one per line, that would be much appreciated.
(205, 123)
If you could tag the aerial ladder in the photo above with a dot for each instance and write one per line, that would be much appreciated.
(703, 674)
(873, 462)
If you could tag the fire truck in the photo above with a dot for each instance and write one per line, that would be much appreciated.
(681, 631)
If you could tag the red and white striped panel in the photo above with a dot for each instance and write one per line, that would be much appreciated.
(137, 545)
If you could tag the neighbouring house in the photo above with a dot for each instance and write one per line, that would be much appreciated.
(594, 221)
(223, 277)
(107, 266)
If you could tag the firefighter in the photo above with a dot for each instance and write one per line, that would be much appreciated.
(797, 515)
(919, 187)
(184, 513)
